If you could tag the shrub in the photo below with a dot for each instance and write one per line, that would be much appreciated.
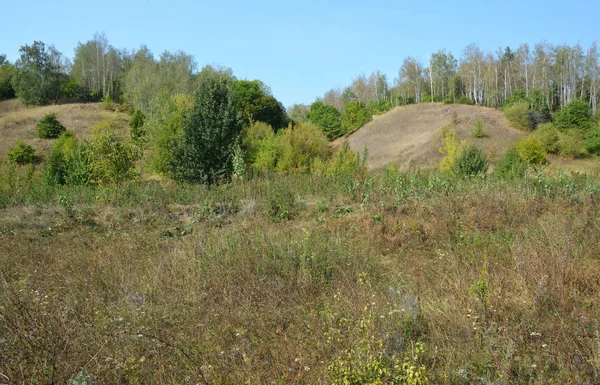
(354, 117)
(517, 96)
(343, 162)
(21, 154)
(547, 135)
(478, 131)
(538, 117)
(327, 118)
(572, 144)
(511, 166)
(518, 115)
(108, 103)
(464, 100)
(253, 138)
(49, 127)
(574, 115)
(451, 149)
(531, 151)
(471, 161)
(300, 146)
(113, 156)
(70, 162)
(592, 141)
(136, 124)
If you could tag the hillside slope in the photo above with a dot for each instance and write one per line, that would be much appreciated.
(19, 122)
(410, 135)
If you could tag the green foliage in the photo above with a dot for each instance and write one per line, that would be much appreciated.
(256, 104)
(21, 154)
(37, 78)
(572, 144)
(6, 74)
(547, 135)
(471, 161)
(592, 141)
(108, 103)
(478, 131)
(517, 96)
(255, 137)
(239, 165)
(451, 149)
(114, 156)
(327, 118)
(532, 151)
(355, 116)
(511, 166)
(343, 162)
(49, 127)
(298, 147)
(574, 115)
(518, 115)
(165, 127)
(465, 100)
(298, 113)
(137, 124)
(210, 131)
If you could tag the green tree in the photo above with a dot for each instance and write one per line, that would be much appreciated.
(298, 113)
(38, 77)
(256, 104)
(511, 166)
(327, 118)
(210, 131)
(49, 127)
(354, 117)
(136, 124)
(471, 161)
(6, 75)
(573, 115)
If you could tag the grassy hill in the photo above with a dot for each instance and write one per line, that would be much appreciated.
(19, 122)
(409, 136)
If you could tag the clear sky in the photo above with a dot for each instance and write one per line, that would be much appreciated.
(300, 49)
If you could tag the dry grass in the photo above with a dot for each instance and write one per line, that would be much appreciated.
(409, 135)
(164, 284)
(19, 122)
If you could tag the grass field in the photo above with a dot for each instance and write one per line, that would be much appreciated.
(388, 277)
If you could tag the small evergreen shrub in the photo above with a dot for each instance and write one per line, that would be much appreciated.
(478, 131)
(574, 115)
(137, 124)
(511, 166)
(21, 154)
(49, 127)
(547, 135)
(531, 151)
(518, 115)
(471, 161)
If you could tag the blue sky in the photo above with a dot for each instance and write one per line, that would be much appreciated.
(300, 49)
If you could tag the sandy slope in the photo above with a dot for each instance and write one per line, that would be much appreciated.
(409, 135)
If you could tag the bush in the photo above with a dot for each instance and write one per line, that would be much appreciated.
(572, 144)
(531, 151)
(464, 100)
(300, 146)
(253, 138)
(451, 149)
(354, 117)
(21, 154)
(547, 135)
(49, 127)
(343, 162)
(518, 115)
(538, 117)
(511, 166)
(136, 124)
(327, 118)
(69, 163)
(472, 161)
(113, 156)
(478, 131)
(592, 141)
(108, 103)
(574, 115)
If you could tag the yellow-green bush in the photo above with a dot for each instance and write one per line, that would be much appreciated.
(451, 149)
(531, 151)
(572, 144)
(300, 146)
(547, 135)
(518, 115)
(114, 156)
(343, 161)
